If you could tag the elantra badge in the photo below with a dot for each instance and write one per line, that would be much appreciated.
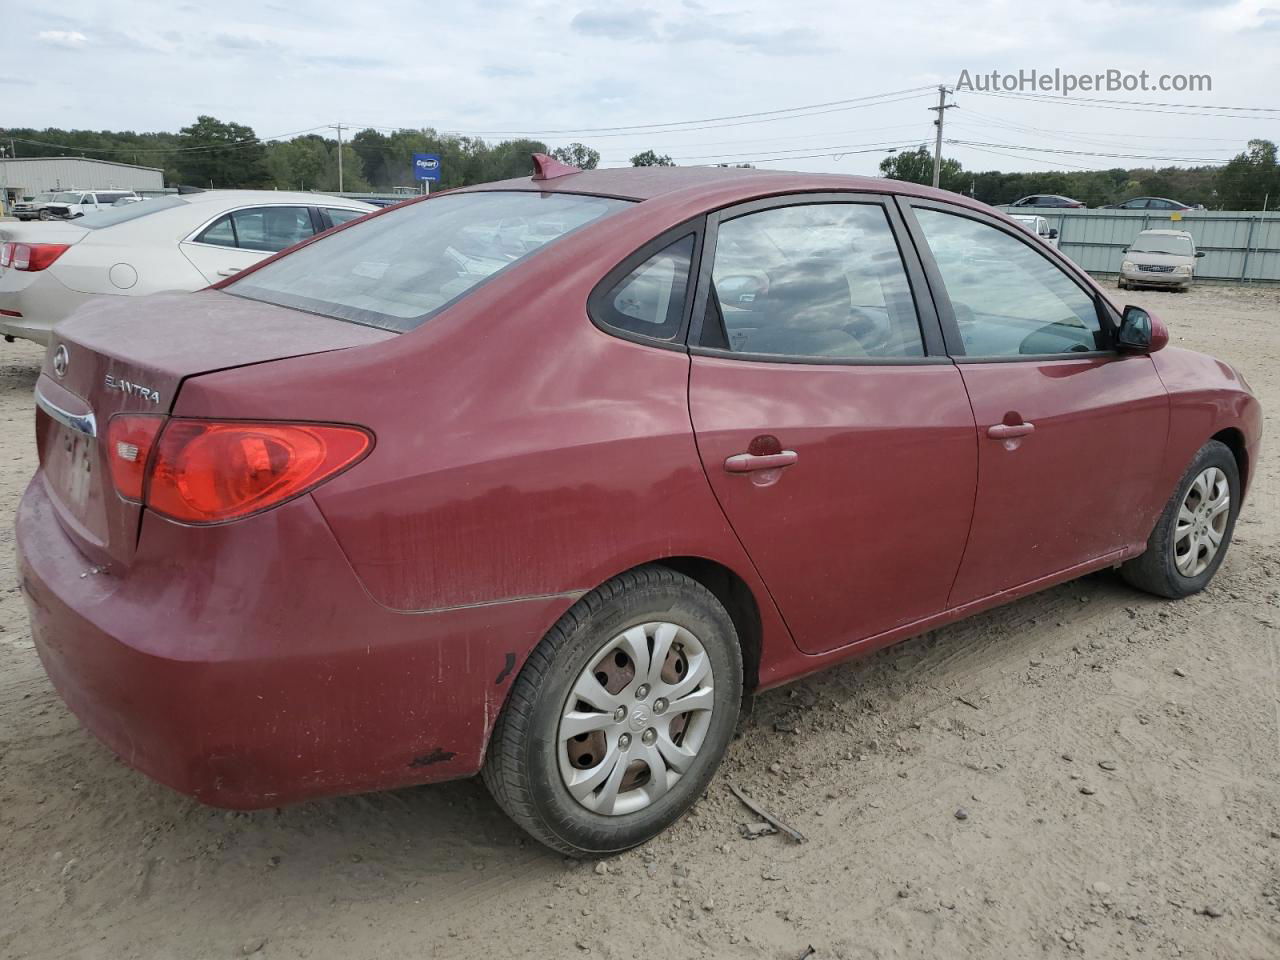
(131, 389)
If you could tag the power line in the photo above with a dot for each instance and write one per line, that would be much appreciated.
(1108, 105)
(635, 132)
(828, 150)
(1004, 121)
(1015, 156)
(1139, 103)
(1087, 153)
(639, 127)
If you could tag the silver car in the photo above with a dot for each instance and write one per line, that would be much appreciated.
(1159, 258)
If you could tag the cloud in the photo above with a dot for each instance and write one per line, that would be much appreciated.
(346, 61)
(500, 71)
(240, 41)
(71, 39)
(626, 25)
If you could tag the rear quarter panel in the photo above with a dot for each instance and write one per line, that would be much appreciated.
(521, 452)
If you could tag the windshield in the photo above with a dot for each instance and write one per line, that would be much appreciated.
(1154, 243)
(66, 197)
(128, 211)
(399, 268)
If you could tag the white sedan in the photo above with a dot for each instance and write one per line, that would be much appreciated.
(173, 243)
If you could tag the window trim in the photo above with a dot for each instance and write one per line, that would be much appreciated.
(625, 267)
(931, 337)
(1108, 320)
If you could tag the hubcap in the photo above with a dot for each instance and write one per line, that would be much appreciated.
(1202, 522)
(635, 719)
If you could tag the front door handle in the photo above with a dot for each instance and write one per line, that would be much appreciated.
(1008, 431)
(750, 462)
(229, 271)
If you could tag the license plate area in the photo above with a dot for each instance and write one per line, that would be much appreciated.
(70, 467)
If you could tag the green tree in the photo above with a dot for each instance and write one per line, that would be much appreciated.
(916, 166)
(651, 159)
(213, 153)
(1250, 178)
(577, 155)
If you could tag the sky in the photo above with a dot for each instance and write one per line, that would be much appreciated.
(566, 71)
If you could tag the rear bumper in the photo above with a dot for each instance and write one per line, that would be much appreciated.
(41, 298)
(244, 666)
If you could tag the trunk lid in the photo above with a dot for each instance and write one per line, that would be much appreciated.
(47, 231)
(124, 355)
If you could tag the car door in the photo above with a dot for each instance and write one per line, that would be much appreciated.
(1070, 433)
(836, 434)
(240, 238)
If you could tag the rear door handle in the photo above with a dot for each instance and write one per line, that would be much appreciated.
(1007, 431)
(229, 272)
(749, 462)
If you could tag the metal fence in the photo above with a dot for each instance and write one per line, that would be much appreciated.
(1238, 245)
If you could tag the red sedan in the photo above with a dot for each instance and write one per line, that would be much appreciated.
(537, 478)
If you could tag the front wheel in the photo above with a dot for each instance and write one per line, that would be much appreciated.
(620, 716)
(1193, 533)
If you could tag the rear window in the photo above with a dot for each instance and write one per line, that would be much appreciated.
(113, 215)
(398, 269)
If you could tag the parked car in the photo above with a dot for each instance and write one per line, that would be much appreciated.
(34, 208)
(1160, 258)
(71, 204)
(1148, 203)
(1046, 200)
(166, 244)
(376, 512)
(1039, 226)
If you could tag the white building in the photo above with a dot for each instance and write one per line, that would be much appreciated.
(26, 176)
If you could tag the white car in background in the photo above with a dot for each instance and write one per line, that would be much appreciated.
(73, 204)
(167, 244)
(1039, 226)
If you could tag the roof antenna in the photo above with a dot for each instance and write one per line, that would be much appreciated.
(547, 168)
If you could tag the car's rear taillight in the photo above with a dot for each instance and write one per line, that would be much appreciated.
(209, 471)
(31, 256)
(130, 438)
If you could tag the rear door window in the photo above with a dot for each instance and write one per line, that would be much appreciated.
(820, 280)
(338, 215)
(396, 270)
(271, 229)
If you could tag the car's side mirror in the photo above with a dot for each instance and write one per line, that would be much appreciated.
(1141, 331)
(1199, 254)
(1053, 234)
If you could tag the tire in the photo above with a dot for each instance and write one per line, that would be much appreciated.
(45, 215)
(1120, 284)
(528, 764)
(1157, 571)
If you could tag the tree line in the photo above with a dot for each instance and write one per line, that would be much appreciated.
(216, 153)
(220, 154)
(1249, 181)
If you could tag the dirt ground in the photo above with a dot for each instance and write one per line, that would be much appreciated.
(1116, 757)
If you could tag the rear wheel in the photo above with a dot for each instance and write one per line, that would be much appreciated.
(1193, 533)
(621, 715)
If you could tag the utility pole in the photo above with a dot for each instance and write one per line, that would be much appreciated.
(942, 107)
(339, 127)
